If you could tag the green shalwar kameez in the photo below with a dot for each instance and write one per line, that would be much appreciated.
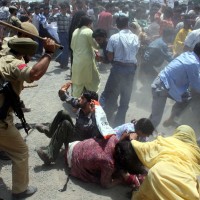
(84, 69)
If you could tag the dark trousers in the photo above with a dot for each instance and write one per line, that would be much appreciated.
(119, 83)
(63, 57)
(61, 132)
(160, 95)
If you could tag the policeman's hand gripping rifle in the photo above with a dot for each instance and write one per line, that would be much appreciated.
(12, 100)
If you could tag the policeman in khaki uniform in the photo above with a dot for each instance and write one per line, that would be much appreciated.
(14, 69)
(29, 27)
(13, 19)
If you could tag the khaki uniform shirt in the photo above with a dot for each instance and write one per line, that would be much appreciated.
(13, 20)
(15, 71)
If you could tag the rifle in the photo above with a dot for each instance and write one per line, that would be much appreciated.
(12, 100)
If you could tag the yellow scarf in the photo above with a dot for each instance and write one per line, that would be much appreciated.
(174, 166)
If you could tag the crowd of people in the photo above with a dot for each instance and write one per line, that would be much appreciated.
(161, 40)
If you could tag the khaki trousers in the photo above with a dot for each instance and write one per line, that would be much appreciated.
(13, 144)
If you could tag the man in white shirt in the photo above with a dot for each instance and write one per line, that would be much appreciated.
(191, 40)
(122, 49)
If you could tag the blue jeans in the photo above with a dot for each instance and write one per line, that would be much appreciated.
(119, 83)
(63, 57)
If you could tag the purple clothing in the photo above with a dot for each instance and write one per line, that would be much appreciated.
(92, 160)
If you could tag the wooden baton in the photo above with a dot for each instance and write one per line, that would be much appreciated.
(26, 32)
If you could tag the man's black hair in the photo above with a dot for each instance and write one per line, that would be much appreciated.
(197, 49)
(84, 21)
(99, 33)
(122, 22)
(24, 18)
(144, 125)
(176, 4)
(90, 95)
(168, 12)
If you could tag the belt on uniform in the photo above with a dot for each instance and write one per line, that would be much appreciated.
(124, 64)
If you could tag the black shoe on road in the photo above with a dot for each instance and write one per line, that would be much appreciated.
(27, 193)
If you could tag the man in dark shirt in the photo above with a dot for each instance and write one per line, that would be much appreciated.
(100, 36)
(156, 53)
(63, 131)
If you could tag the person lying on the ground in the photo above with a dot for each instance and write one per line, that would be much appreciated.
(63, 131)
(136, 130)
(173, 164)
(92, 160)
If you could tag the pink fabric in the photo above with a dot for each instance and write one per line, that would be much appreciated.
(22, 66)
(133, 180)
(105, 20)
(165, 23)
(92, 160)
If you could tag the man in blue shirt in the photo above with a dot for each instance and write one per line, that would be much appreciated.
(174, 82)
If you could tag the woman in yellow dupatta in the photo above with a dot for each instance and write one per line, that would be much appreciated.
(173, 164)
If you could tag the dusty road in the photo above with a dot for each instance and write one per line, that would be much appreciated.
(45, 103)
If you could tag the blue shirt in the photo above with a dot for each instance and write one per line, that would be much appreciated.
(180, 74)
(157, 52)
(128, 128)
